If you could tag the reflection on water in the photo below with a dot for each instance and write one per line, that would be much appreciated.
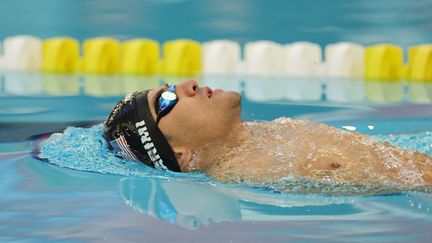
(382, 92)
(177, 80)
(118, 85)
(223, 82)
(345, 90)
(22, 83)
(184, 203)
(257, 89)
(420, 92)
(57, 84)
(191, 205)
(273, 89)
(134, 83)
(103, 85)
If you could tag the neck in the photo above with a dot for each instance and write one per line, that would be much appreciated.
(208, 155)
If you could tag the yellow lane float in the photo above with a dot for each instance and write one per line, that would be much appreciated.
(182, 58)
(101, 56)
(383, 62)
(420, 63)
(140, 57)
(60, 55)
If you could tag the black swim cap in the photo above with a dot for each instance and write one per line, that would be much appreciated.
(132, 133)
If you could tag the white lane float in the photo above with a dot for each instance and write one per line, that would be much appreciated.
(221, 57)
(303, 65)
(303, 59)
(345, 60)
(263, 67)
(344, 71)
(278, 72)
(264, 58)
(222, 65)
(22, 53)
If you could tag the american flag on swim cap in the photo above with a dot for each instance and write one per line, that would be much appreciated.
(121, 147)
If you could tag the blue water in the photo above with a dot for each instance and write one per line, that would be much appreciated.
(69, 199)
(59, 201)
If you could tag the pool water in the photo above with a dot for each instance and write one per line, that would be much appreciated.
(44, 201)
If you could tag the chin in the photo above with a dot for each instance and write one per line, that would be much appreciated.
(236, 97)
(233, 101)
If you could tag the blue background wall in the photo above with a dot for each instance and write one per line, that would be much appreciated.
(363, 21)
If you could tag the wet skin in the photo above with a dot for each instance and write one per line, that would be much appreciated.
(206, 133)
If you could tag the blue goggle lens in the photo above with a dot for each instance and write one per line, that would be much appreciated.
(166, 102)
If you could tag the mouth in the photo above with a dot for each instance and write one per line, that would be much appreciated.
(217, 91)
(209, 92)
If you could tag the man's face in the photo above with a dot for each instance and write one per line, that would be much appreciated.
(200, 116)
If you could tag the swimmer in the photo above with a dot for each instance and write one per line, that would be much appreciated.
(187, 128)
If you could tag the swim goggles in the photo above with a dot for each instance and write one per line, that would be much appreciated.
(165, 102)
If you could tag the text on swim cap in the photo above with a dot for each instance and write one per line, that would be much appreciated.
(148, 145)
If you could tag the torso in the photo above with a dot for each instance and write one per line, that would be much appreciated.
(285, 147)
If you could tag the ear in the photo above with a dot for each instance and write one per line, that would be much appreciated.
(183, 155)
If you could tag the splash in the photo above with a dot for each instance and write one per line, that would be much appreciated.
(421, 142)
(85, 149)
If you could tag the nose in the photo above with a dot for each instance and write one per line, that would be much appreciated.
(188, 88)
